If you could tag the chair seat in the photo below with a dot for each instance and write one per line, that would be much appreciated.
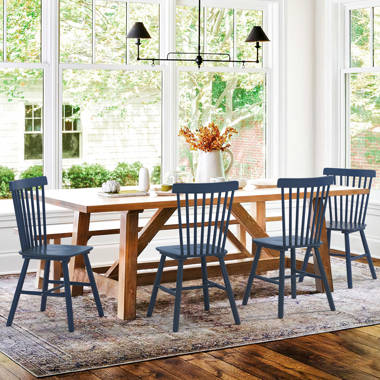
(345, 227)
(174, 251)
(276, 242)
(55, 252)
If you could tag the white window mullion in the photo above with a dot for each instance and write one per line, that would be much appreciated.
(127, 27)
(372, 35)
(4, 30)
(347, 117)
(234, 48)
(93, 42)
(204, 12)
(50, 42)
(169, 88)
(347, 40)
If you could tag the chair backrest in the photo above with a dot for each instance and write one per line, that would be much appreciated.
(208, 229)
(350, 208)
(27, 195)
(303, 202)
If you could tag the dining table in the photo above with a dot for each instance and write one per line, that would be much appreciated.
(121, 279)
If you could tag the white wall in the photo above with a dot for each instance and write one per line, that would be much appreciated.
(300, 59)
(313, 44)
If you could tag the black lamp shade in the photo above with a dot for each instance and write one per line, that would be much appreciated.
(257, 35)
(138, 31)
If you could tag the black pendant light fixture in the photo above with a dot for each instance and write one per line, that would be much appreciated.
(138, 32)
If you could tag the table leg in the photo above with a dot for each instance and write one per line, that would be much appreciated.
(81, 226)
(325, 257)
(260, 215)
(126, 308)
(252, 227)
(242, 235)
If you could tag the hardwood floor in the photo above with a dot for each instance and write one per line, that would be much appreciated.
(349, 354)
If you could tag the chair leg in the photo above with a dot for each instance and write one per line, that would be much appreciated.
(94, 288)
(45, 285)
(348, 260)
(293, 272)
(229, 290)
(69, 306)
(281, 278)
(305, 262)
(178, 293)
(205, 283)
(157, 282)
(324, 280)
(251, 275)
(17, 292)
(368, 254)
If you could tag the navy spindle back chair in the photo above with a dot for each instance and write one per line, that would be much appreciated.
(347, 214)
(303, 204)
(204, 211)
(29, 204)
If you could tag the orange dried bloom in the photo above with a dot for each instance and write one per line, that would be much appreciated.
(208, 138)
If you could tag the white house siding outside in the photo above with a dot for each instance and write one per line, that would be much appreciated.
(109, 139)
(106, 139)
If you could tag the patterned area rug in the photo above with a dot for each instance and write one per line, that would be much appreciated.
(41, 343)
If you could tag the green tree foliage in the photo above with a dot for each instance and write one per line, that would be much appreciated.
(23, 45)
(85, 175)
(360, 37)
(23, 30)
(6, 175)
(33, 171)
(127, 174)
(155, 177)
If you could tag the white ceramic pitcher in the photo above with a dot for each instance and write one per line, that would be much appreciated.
(210, 164)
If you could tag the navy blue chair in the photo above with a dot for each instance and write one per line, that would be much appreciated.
(29, 204)
(215, 201)
(347, 214)
(302, 221)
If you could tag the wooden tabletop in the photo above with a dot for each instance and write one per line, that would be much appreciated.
(89, 200)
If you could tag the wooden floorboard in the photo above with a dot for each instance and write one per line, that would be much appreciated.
(350, 354)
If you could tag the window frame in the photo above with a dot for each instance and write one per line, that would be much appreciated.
(273, 54)
(99, 66)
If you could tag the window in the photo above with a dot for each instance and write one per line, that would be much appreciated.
(117, 113)
(71, 132)
(83, 98)
(228, 94)
(363, 90)
(21, 85)
(33, 132)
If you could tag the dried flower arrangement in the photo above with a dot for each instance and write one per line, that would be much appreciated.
(208, 138)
